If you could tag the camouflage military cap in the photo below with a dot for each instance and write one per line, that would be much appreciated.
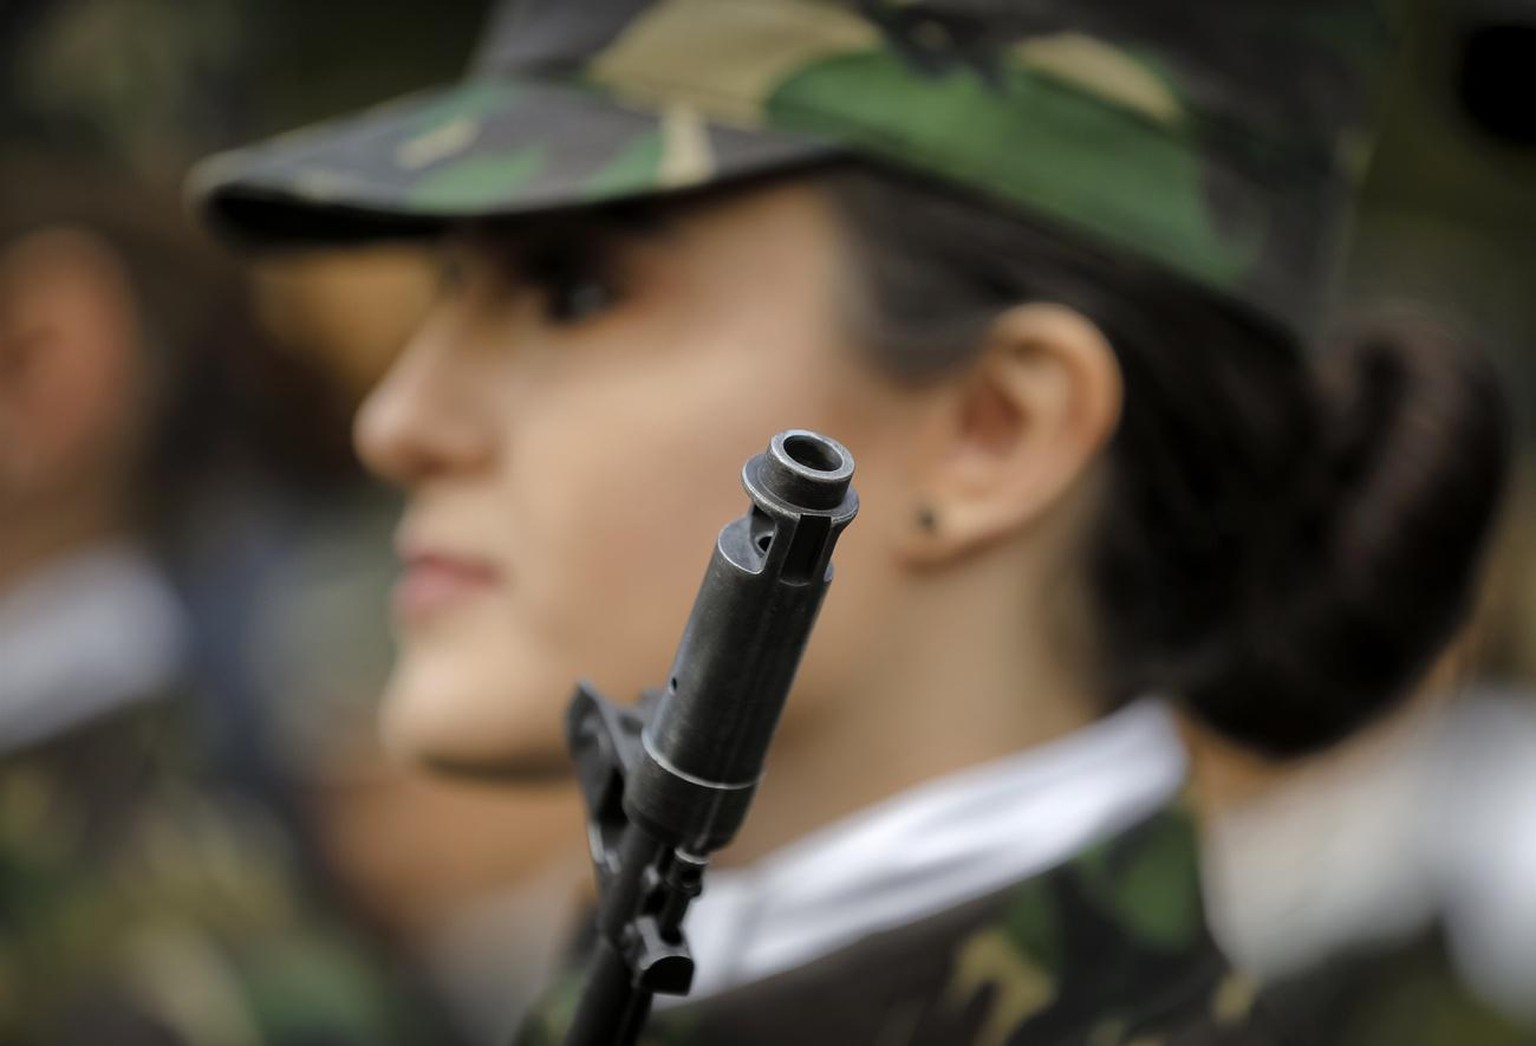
(1217, 138)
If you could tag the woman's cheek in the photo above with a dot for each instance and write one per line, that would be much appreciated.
(628, 545)
(478, 692)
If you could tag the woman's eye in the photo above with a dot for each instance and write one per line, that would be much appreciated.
(574, 299)
(576, 287)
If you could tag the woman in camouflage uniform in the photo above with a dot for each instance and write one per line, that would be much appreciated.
(1054, 272)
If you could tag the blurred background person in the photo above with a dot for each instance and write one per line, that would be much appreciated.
(143, 897)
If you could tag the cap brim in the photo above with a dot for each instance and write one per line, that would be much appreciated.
(483, 148)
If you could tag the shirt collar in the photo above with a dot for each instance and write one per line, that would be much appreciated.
(951, 840)
(82, 637)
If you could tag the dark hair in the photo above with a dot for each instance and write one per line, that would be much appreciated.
(1287, 539)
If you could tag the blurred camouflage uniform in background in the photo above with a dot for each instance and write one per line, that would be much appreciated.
(144, 898)
(139, 903)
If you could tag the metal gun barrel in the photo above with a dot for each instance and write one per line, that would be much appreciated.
(689, 776)
(704, 747)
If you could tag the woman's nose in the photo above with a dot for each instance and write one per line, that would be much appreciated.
(422, 420)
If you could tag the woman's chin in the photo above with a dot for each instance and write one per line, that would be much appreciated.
(472, 734)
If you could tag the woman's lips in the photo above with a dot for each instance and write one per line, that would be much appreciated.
(433, 582)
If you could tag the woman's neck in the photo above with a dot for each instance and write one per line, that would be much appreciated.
(951, 690)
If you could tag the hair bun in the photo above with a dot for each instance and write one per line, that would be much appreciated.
(1385, 537)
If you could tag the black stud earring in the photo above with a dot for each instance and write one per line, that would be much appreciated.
(927, 519)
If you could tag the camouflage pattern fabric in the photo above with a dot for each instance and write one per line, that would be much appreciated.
(1110, 949)
(1218, 139)
(139, 906)
(1405, 995)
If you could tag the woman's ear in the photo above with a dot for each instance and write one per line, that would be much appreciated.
(1014, 433)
